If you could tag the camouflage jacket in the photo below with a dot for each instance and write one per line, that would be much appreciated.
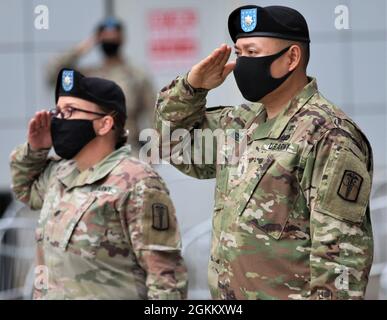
(109, 232)
(138, 89)
(291, 217)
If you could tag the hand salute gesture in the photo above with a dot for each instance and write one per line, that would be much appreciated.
(213, 70)
(39, 135)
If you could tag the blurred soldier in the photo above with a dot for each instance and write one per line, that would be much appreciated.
(291, 217)
(138, 90)
(107, 228)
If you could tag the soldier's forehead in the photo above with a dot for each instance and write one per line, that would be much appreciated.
(258, 42)
(66, 100)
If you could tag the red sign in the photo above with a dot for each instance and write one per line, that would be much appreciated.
(173, 38)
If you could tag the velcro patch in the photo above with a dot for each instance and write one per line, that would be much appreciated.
(160, 217)
(345, 188)
(350, 186)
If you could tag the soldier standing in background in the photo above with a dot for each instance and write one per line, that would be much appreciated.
(139, 93)
(291, 218)
(107, 226)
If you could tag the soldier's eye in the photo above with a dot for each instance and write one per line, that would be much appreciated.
(67, 112)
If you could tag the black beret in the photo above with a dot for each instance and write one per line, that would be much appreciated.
(104, 93)
(274, 22)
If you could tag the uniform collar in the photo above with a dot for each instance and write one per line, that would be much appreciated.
(71, 177)
(275, 129)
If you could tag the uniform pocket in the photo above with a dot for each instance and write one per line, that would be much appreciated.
(270, 199)
(71, 221)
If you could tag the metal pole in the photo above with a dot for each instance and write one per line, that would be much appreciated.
(109, 8)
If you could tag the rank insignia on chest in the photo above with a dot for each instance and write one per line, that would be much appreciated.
(350, 186)
(160, 218)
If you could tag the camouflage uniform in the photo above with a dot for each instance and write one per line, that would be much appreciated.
(109, 232)
(139, 93)
(291, 218)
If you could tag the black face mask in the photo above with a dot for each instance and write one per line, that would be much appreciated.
(110, 49)
(70, 136)
(253, 76)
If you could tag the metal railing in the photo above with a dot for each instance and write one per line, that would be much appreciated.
(16, 259)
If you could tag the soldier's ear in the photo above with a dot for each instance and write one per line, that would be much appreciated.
(104, 125)
(294, 55)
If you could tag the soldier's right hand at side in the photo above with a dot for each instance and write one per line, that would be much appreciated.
(213, 70)
(39, 135)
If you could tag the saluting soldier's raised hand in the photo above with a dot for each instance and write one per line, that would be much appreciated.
(39, 135)
(86, 45)
(213, 70)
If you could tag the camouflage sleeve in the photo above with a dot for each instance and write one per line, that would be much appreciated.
(179, 106)
(29, 172)
(340, 227)
(146, 97)
(155, 238)
(66, 60)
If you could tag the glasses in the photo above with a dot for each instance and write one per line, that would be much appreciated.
(68, 112)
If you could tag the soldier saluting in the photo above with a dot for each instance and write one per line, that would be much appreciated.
(291, 218)
(107, 226)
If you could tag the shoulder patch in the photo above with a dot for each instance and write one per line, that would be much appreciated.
(350, 186)
(345, 188)
(160, 217)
